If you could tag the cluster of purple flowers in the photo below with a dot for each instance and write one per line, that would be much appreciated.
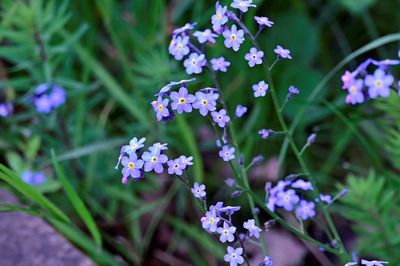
(153, 159)
(33, 178)
(181, 101)
(362, 84)
(286, 194)
(48, 97)
(182, 44)
(218, 220)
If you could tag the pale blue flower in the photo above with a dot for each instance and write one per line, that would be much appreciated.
(234, 256)
(253, 229)
(233, 38)
(195, 63)
(226, 233)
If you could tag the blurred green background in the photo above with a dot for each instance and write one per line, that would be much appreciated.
(111, 57)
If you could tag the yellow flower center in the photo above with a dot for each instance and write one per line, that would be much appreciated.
(233, 37)
(154, 159)
(353, 89)
(378, 83)
(211, 220)
(219, 16)
(180, 46)
(131, 165)
(286, 198)
(160, 107)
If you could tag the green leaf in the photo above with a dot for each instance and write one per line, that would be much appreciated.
(357, 6)
(31, 193)
(76, 202)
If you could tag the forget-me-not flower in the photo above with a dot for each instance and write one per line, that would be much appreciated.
(234, 256)
(233, 38)
(253, 229)
(226, 233)
(220, 64)
(260, 89)
(182, 101)
(205, 102)
(220, 117)
(254, 57)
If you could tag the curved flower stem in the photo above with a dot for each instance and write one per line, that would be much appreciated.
(291, 141)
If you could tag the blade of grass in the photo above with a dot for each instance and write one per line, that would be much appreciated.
(31, 193)
(111, 85)
(77, 202)
(188, 137)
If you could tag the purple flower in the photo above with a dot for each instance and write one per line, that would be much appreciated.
(263, 21)
(302, 184)
(347, 79)
(355, 95)
(33, 178)
(282, 53)
(219, 19)
(325, 198)
(198, 190)
(179, 47)
(187, 27)
(210, 221)
(240, 110)
(57, 96)
(205, 36)
(292, 92)
(227, 153)
(154, 161)
(379, 84)
(175, 167)
(226, 233)
(186, 161)
(43, 104)
(287, 199)
(195, 63)
(234, 256)
(260, 89)
(132, 166)
(253, 229)
(305, 210)
(233, 38)
(242, 5)
(161, 108)
(205, 102)
(220, 117)
(220, 64)
(266, 133)
(134, 145)
(182, 101)
(271, 202)
(48, 97)
(254, 57)
(5, 109)
(267, 261)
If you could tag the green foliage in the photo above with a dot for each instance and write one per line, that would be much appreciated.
(111, 57)
(373, 206)
(357, 6)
